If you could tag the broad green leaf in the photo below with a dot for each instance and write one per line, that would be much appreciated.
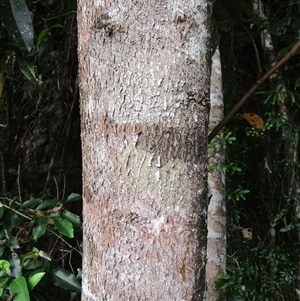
(11, 219)
(15, 266)
(33, 263)
(19, 287)
(1, 211)
(3, 280)
(41, 228)
(34, 280)
(5, 265)
(18, 22)
(64, 227)
(71, 217)
(13, 243)
(48, 204)
(31, 203)
(74, 197)
(65, 279)
(29, 70)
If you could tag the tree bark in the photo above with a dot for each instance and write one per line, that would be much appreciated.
(144, 87)
(216, 214)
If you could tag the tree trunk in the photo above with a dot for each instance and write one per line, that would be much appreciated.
(144, 87)
(216, 214)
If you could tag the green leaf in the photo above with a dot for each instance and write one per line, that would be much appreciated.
(43, 32)
(31, 203)
(48, 204)
(28, 69)
(17, 20)
(11, 219)
(40, 229)
(64, 227)
(74, 197)
(34, 280)
(19, 287)
(5, 265)
(1, 210)
(44, 46)
(3, 282)
(65, 279)
(71, 217)
(15, 266)
(13, 243)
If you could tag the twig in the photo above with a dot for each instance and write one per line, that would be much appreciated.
(65, 242)
(57, 191)
(18, 182)
(14, 210)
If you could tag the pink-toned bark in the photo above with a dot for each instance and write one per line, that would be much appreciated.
(144, 82)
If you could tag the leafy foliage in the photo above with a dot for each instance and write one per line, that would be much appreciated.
(27, 267)
(40, 256)
(262, 168)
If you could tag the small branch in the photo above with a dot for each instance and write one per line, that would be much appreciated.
(18, 181)
(59, 237)
(14, 210)
(252, 90)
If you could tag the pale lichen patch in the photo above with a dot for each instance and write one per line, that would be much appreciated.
(166, 183)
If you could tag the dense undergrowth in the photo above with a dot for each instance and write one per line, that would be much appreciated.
(40, 157)
(262, 168)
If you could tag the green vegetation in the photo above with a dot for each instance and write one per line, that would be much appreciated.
(40, 234)
(40, 243)
(262, 168)
(37, 236)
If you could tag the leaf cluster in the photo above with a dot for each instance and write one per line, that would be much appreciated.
(36, 237)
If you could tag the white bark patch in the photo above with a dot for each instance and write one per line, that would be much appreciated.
(157, 224)
(216, 224)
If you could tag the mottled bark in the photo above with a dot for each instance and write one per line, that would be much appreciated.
(216, 215)
(144, 82)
